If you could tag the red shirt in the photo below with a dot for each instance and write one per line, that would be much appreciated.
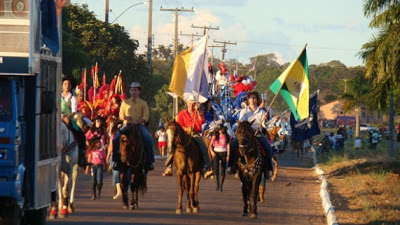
(187, 120)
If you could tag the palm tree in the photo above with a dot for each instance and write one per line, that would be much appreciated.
(382, 56)
(355, 97)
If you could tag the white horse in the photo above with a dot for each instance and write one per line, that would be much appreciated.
(67, 174)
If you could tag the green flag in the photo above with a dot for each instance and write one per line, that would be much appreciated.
(293, 85)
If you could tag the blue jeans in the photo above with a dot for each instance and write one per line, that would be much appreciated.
(148, 143)
(97, 177)
(115, 174)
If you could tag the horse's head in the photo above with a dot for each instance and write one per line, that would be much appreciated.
(130, 145)
(173, 131)
(245, 136)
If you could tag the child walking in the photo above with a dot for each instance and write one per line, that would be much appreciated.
(96, 158)
(220, 151)
(162, 138)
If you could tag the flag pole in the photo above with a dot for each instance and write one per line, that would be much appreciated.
(84, 84)
(273, 100)
(202, 67)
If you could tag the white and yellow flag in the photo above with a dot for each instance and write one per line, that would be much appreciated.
(189, 73)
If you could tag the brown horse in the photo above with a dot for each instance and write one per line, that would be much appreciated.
(251, 166)
(273, 135)
(187, 163)
(132, 157)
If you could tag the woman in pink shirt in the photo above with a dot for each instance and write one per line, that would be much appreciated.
(220, 151)
(96, 159)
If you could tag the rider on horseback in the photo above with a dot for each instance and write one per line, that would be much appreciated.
(250, 113)
(135, 110)
(68, 111)
(191, 120)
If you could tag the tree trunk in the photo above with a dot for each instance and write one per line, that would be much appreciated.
(390, 146)
(357, 128)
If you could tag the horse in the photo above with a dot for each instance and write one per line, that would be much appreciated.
(273, 135)
(251, 166)
(186, 158)
(132, 156)
(67, 175)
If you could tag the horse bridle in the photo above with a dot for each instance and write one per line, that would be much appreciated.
(190, 137)
(141, 152)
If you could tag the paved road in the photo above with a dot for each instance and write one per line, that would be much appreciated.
(292, 199)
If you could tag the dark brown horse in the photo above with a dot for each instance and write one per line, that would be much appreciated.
(187, 163)
(251, 166)
(132, 157)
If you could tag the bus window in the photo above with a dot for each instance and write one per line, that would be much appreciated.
(5, 100)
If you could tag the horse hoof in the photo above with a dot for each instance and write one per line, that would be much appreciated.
(125, 207)
(189, 210)
(53, 214)
(132, 207)
(253, 216)
(195, 210)
(71, 208)
(244, 213)
(179, 211)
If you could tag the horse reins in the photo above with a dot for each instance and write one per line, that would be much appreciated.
(70, 146)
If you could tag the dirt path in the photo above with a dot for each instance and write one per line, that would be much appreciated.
(292, 199)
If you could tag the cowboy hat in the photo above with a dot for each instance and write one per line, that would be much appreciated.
(136, 85)
(191, 98)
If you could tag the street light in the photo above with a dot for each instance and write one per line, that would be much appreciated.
(145, 2)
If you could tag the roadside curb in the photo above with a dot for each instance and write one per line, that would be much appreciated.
(329, 210)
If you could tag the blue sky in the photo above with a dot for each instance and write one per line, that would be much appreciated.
(333, 30)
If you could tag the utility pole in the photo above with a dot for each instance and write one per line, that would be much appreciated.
(345, 85)
(224, 46)
(176, 10)
(205, 28)
(191, 35)
(212, 52)
(107, 10)
(149, 37)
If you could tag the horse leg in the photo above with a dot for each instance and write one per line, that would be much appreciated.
(134, 192)
(253, 199)
(187, 183)
(64, 199)
(275, 160)
(245, 199)
(124, 187)
(180, 192)
(195, 200)
(75, 173)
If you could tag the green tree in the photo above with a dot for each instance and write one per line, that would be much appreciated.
(355, 97)
(382, 56)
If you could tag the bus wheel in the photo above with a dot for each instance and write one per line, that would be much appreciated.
(39, 216)
(10, 215)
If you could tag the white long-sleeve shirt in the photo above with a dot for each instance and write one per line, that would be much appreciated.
(247, 114)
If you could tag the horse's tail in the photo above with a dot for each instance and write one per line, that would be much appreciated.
(143, 186)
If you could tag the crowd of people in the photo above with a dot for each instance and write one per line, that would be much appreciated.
(95, 124)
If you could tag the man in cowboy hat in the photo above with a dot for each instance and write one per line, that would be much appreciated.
(191, 120)
(135, 110)
(253, 112)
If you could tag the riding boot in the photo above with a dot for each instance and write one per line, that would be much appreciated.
(119, 191)
(93, 191)
(168, 161)
(261, 191)
(99, 186)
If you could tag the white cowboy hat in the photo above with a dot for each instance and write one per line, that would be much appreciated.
(191, 98)
(136, 85)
